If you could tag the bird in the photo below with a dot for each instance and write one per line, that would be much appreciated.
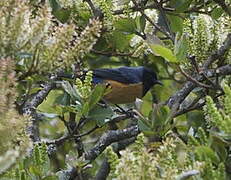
(125, 83)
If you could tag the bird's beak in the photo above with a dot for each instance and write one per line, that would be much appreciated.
(159, 82)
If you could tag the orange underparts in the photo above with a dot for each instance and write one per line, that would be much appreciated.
(121, 93)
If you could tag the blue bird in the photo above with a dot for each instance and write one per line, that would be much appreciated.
(126, 83)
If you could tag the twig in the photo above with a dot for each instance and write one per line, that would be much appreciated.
(219, 53)
(165, 19)
(179, 96)
(96, 11)
(103, 171)
(29, 109)
(105, 167)
(188, 174)
(190, 78)
(152, 23)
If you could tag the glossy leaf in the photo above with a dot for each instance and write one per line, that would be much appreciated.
(126, 25)
(140, 23)
(204, 153)
(96, 95)
(101, 115)
(120, 41)
(217, 12)
(144, 126)
(71, 90)
(180, 48)
(54, 5)
(62, 15)
(164, 52)
(180, 5)
(176, 23)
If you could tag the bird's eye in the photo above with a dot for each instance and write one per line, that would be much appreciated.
(108, 85)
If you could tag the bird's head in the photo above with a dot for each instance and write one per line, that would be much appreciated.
(149, 79)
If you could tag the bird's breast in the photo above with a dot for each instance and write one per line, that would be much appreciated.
(121, 93)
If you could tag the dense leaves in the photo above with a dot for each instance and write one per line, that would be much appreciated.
(47, 48)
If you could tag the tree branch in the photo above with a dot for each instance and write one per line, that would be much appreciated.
(109, 138)
(105, 167)
(219, 53)
(178, 97)
(29, 109)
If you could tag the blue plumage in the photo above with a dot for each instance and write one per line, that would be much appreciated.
(129, 76)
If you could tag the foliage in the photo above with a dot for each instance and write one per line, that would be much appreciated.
(46, 50)
(35, 167)
(173, 158)
(170, 160)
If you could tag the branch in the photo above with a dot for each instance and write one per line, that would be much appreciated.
(96, 11)
(178, 97)
(154, 6)
(29, 109)
(105, 167)
(109, 138)
(190, 78)
(219, 53)
(188, 174)
(152, 23)
(221, 71)
(103, 171)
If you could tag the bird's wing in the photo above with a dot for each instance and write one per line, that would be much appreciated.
(114, 74)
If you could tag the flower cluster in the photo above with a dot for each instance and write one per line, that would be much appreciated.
(106, 8)
(217, 117)
(13, 144)
(82, 44)
(18, 30)
(163, 162)
(84, 88)
(205, 35)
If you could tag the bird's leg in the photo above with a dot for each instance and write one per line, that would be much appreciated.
(129, 112)
(120, 109)
(103, 103)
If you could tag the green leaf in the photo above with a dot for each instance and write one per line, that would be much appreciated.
(216, 13)
(71, 90)
(176, 23)
(144, 126)
(23, 55)
(62, 15)
(96, 95)
(180, 48)
(63, 99)
(164, 52)
(160, 116)
(54, 5)
(120, 40)
(35, 171)
(153, 40)
(86, 108)
(51, 177)
(126, 25)
(49, 115)
(145, 107)
(204, 153)
(140, 23)
(101, 115)
(180, 5)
